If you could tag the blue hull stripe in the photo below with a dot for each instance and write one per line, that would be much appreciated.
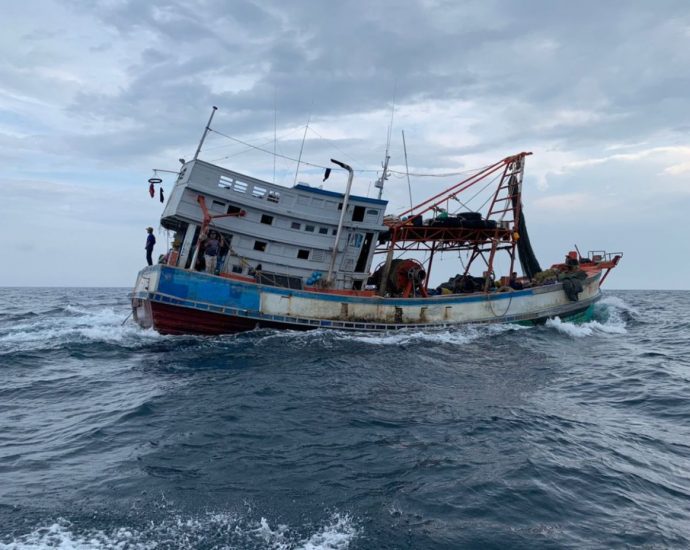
(208, 288)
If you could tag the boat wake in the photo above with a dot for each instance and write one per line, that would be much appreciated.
(213, 530)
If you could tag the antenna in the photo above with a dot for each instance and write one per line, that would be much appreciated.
(407, 170)
(275, 133)
(203, 136)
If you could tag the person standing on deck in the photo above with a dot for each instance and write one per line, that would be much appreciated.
(150, 242)
(211, 250)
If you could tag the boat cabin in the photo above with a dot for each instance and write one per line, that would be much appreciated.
(284, 236)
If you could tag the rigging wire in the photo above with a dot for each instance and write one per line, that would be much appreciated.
(258, 148)
(250, 146)
(407, 169)
(491, 181)
(322, 167)
(311, 129)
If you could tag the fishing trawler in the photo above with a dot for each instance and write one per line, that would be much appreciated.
(301, 258)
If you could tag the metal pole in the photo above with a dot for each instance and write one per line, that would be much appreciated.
(383, 286)
(203, 136)
(384, 176)
(342, 216)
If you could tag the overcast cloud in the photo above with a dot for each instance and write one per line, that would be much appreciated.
(95, 94)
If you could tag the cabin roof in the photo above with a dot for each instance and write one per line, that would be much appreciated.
(304, 187)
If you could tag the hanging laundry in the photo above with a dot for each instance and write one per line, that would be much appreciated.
(161, 194)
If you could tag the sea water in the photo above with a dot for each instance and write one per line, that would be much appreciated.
(484, 436)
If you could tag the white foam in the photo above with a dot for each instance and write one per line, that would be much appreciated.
(336, 535)
(273, 538)
(459, 335)
(60, 536)
(101, 325)
(223, 529)
(580, 330)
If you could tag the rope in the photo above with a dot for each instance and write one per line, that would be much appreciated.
(491, 307)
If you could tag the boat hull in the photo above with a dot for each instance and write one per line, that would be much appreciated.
(175, 301)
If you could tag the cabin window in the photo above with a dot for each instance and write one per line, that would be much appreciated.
(273, 196)
(355, 240)
(372, 212)
(268, 220)
(218, 206)
(239, 186)
(303, 254)
(237, 269)
(323, 230)
(296, 225)
(260, 246)
(234, 209)
(334, 232)
(259, 192)
(340, 206)
(358, 214)
(225, 183)
(309, 228)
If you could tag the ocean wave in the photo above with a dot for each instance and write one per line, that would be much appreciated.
(611, 316)
(618, 303)
(455, 336)
(49, 332)
(211, 530)
(460, 335)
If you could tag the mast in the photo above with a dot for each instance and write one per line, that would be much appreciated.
(384, 175)
(203, 136)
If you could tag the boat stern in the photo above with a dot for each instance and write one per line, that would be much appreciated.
(146, 284)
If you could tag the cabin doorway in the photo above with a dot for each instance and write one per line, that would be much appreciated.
(188, 263)
(364, 253)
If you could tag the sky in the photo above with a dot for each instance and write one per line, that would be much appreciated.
(95, 94)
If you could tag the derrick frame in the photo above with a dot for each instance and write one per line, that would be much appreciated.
(405, 236)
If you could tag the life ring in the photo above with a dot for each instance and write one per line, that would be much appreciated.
(154, 181)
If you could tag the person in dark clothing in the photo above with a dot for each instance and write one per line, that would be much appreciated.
(211, 250)
(150, 242)
(222, 254)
